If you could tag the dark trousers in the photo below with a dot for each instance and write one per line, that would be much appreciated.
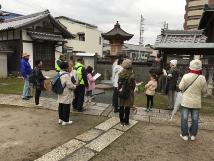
(79, 95)
(37, 95)
(124, 114)
(149, 101)
(115, 99)
(64, 112)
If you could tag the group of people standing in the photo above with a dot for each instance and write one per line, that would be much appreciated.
(78, 80)
(192, 86)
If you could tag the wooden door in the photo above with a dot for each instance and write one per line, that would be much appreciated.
(45, 51)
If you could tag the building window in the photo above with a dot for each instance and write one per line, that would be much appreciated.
(81, 36)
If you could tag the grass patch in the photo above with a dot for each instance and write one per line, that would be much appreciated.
(11, 86)
(161, 102)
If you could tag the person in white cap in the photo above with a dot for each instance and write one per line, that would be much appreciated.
(171, 87)
(193, 86)
(25, 70)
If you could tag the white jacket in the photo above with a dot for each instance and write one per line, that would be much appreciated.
(67, 96)
(115, 75)
(192, 96)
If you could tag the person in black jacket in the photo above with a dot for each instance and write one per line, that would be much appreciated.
(39, 81)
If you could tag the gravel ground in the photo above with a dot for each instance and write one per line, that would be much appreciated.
(27, 134)
(155, 142)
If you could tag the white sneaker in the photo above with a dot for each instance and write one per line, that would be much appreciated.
(39, 105)
(192, 138)
(70, 122)
(64, 123)
(185, 138)
(60, 121)
(67, 123)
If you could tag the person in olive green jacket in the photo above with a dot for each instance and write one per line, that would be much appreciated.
(126, 104)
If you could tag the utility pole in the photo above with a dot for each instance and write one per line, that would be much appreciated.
(165, 25)
(141, 39)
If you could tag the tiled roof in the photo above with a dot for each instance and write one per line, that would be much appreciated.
(8, 15)
(117, 32)
(181, 36)
(76, 21)
(23, 21)
(45, 36)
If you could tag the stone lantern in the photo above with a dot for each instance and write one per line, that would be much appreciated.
(116, 37)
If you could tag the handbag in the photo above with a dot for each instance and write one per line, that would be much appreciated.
(179, 98)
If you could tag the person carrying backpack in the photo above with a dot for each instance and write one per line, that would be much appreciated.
(126, 86)
(65, 98)
(82, 83)
(39, 81)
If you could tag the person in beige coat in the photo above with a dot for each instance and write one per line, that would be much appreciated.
(65, 99)
(193, 86)
(150, 91)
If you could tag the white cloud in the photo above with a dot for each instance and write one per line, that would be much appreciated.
(105, 13)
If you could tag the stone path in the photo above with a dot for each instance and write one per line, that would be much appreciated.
(88, 144)
(101, 109)
(93, 141)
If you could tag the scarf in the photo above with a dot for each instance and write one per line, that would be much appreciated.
(199, 72)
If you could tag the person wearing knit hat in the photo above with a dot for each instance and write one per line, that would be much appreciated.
(171, 85)
(195, 65)
(193, 85)
(126, 83)
(25, 70)
(127, 64)
(173, 62)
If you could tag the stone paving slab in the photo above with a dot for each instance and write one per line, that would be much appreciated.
(107, 111)
(108, 124)
(62, 151)
(104, 140)
(209, 126)
(98, 108)
(126, 128)
(93, 112)
(102, 105)
(83, 154)
(89, 135)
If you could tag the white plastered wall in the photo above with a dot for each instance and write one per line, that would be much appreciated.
(27, 46)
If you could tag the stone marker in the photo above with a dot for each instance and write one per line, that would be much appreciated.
(104, 140)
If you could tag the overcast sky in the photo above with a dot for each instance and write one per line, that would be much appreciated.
(105, 13)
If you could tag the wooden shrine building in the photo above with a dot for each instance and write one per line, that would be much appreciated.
(38, 34)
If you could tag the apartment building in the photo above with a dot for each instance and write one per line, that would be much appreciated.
(194, 10)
